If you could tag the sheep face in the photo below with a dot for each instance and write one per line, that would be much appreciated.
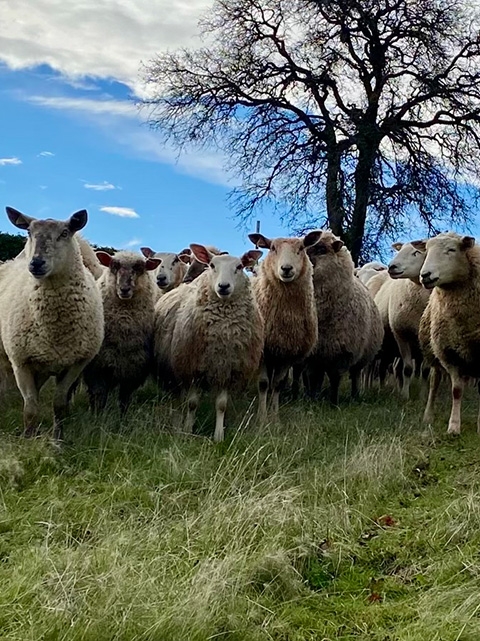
(326, 249)
(286, 257)
(446, 261)
(196, 267)
(225, 272)
(408, 261)
(50, 242)
(126, 270)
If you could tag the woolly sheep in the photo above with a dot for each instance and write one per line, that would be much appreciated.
(452, 270)
(350, 331)
(284, 293)
(124, 360)
(407, 301)
(217, 338)
(171, 269)
(367, 271)
(51, 316)
(375, 283)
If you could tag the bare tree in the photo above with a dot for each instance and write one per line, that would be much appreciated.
(361, 114)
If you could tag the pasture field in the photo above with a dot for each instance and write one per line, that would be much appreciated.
(339, 524)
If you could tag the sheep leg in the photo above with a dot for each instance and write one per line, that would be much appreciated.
(355, 379)
(65, 380)
(334, 378)
(314, 381)
(458, 384)
(278, 382)
(297, 376)
(221, 406)
(434, 383)
(263, 385)
(193, 398)
(28, 389)
(407, 371)
(125, 396)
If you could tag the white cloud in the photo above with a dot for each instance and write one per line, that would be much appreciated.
(43, 186)
(112, 107)
(105, 186)
(123, 212)
(47, 32)
(135, 242)
(10, 161)
(46, 154)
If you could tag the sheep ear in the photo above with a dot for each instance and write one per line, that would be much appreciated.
(312, 238)
(397, 246)
(185, 258)
(104, 258)
(467, 242)
(337, 245)
(147, 252)
(18, 219)
(77, 221)
(201, 253)
(251, 257)
(259, 240)
(152, 263)
(421, 245)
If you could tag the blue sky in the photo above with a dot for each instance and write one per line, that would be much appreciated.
(71, 137)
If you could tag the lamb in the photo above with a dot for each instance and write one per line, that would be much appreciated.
(284, 293)
(350, 330)
(125, 357)
(406, 303)
(51, 315)
(171, 269)
(217, 336)
(452, 270)
(369, 270)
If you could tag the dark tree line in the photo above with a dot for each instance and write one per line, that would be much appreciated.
(359, 114)
(12, 244)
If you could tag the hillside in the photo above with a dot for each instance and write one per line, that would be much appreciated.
(348, 524)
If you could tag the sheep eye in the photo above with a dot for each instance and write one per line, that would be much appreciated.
(273, 248)
(450, 250)
(212, 265)
(64, 234)
(240, 266)
(415, 253)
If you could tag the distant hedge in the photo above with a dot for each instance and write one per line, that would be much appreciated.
(12, 244)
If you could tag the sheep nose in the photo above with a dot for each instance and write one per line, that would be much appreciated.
(37, 265)
(223, 288)
(287, 270)
(161, 280)
(425, 275)
(125, 291)
(392, 268)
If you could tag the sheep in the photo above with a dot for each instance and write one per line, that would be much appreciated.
(284, 293)
(375, 282)
(367, 271)
(51, 315)
(350, 331)
(124, 359)
(196, 267)
(407, 301)
(89, 258)
(171, 269)
(217, 336)
(452, 270)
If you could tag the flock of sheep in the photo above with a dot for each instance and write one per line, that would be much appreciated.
(196, 321)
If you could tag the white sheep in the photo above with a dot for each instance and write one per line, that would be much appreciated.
(407, 300)
(452, 270)
(217, 336)
(51, 316)
(350, 330)
(171, 268)
(369, 270)
(125, 358)
(284, 293)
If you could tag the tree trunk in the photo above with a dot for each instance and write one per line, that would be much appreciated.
(334, 192)
(368, 145)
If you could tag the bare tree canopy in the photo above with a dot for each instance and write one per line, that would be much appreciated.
(360, 114)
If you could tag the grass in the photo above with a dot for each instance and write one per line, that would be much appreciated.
(347, 524)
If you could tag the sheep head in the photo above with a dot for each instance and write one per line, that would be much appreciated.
(126, 270)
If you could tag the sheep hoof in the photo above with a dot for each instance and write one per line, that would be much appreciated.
(453, 428)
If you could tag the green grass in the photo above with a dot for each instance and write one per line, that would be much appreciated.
(355, 524)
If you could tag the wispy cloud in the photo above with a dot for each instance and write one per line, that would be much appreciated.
(105, 186)
(10, 161)
(89, 105)
(135, 242)
(46, 154)
(43, 186)
(123, 212)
